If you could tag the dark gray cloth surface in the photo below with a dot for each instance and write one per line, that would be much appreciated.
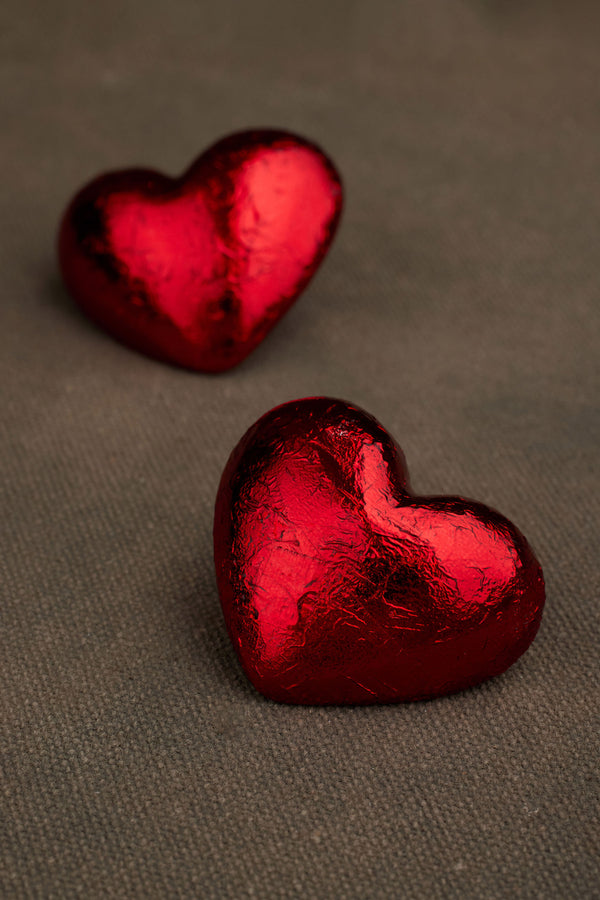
(459, 305)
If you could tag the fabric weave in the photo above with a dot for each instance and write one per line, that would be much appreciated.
(459, 305)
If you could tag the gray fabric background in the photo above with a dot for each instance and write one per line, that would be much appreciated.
(459, 305)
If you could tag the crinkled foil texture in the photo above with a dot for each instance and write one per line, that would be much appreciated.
(340, 586)
(197, 270)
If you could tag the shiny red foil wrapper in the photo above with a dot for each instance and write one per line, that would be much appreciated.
(338, 585)
(196, 270)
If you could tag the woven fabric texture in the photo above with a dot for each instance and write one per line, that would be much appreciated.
(459, 305)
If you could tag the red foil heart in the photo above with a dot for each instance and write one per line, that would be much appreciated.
(197, 270)
(340, 586)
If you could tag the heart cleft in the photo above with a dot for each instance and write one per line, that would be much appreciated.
(339, 586)
(197, 270)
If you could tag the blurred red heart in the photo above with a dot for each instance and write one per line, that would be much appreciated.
(197, 270)
(340, 586)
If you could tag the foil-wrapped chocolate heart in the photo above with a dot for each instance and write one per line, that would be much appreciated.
(196, 270)
(338, 585)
